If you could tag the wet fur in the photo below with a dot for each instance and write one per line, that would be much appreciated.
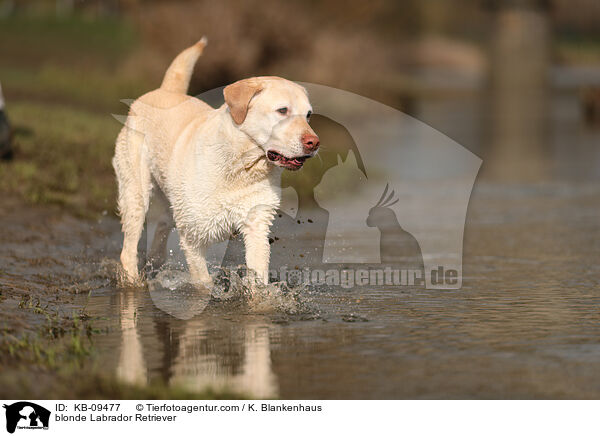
(209, 163)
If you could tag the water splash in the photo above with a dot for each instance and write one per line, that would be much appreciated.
(172, 291)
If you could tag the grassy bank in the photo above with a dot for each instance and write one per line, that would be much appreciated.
(62, 156)
(62, 82)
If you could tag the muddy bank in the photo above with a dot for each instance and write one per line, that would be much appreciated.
(49, 262)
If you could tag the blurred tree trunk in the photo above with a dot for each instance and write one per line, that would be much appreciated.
(518, 88)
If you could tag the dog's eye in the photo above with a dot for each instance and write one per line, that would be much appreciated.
(308, 115)
(283, 110)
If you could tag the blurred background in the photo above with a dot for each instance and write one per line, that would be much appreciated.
(497, 76)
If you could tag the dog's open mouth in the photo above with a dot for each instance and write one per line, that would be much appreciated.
(290, 163)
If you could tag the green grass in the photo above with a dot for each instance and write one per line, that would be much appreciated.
(97, 90)
(62, 156)
(31, 39)
(72, 61)
(574, 49)
(61, 81)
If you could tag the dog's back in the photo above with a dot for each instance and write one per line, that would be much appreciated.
(161, 117)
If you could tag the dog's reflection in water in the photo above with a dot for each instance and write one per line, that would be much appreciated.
(193, 354)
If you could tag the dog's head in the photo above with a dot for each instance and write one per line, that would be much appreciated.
(274, 113)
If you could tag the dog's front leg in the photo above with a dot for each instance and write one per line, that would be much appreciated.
(196, 259)
(256, 239)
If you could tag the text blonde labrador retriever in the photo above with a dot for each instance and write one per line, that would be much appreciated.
(219, 168)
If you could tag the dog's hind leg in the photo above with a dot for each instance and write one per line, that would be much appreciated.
(135, 186)
(160, 213)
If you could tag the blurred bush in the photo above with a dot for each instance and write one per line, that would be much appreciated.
(352, 46)
(66, 64)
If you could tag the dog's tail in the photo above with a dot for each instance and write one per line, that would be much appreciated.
(177, 78)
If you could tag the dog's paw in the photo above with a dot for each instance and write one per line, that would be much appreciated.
(126, 279)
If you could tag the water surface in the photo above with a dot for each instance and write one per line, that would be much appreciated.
(526, 323)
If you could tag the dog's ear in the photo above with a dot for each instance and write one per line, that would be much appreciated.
(238, 96)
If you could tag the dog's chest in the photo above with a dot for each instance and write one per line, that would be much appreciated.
(222, 212)
(237, 205)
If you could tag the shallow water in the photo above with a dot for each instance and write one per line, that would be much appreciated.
(525, 324)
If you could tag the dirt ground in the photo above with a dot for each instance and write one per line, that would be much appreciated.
(48, 260)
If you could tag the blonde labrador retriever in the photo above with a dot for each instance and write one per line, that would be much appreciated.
(220, 169)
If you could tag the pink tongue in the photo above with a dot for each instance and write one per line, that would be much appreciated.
(285, 160)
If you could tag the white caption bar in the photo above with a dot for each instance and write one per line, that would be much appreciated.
(263, 418)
